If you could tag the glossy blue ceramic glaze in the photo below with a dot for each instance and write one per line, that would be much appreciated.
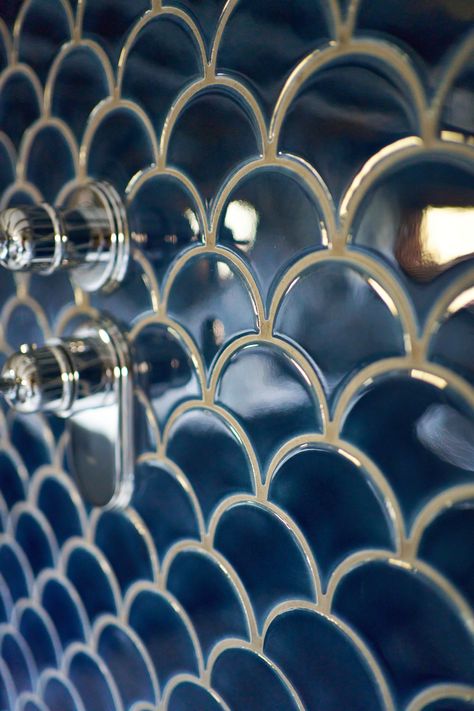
(299, 181)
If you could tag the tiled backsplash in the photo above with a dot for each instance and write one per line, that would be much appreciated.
(299, 176)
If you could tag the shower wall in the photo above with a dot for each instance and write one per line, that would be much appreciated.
(299, 181)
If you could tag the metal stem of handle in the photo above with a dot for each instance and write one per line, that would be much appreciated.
(88, 234)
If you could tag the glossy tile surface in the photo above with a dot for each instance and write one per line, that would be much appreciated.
(299, 179)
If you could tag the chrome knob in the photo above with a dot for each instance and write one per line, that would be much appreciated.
(88, 379)
(38, 379)
(60, 377)
(88, 234)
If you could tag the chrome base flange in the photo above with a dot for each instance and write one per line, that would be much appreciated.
(106, 260)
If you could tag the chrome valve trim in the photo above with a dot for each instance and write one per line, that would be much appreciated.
(88, 233)
(88, 380)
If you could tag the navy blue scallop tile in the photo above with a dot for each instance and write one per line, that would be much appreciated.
(121, 540)
(18, 197)
(450, 704)
(416, 632)
(7, 167)
(5, 601)
(456, 114)
(13, 654)
(206, 14)
(164, 369)
(54, 293)
(404, 217)
(212, 601)
(163, 502)
(23, 324)
(120, 148)
(31, 536)
(44, 29)
(50, 162)
(271, 397)
(161, 63)
(10, 12)
(211, 300)
(212, 136)
(302, 27)
(187, 696)
(144, 426)
(334, 503)
(248, 682)
(126, 664)
(7, 283)
(19, 105)
(447, 544)
(3, 514)
(352, 323)
(55, 501)
(28, 434)
(270, 218)
(163, 633)
(32, 704)
(57, 695)
(12, 569)
(358, 111)
(322, 662)
(265, 555)
(164, 220)
(108, 22)
(80, 84)
(3, 51)
(36, 633)
(12, 484)
(87, 674)
(84, 565)
(452, 343)
(59, 601)
(131, 301)
(405, 440)
(211, 457)
(5, 690)
(405, 22)
(334, 319)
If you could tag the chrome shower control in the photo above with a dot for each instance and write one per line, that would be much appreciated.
(62, 377)
(88, 233)
(88, 379)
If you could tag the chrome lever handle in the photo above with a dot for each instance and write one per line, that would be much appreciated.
(88, 379)
(87, 234)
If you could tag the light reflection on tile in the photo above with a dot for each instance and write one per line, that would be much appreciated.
(299, 185)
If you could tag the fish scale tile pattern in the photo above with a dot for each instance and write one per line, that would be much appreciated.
(301, 532)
